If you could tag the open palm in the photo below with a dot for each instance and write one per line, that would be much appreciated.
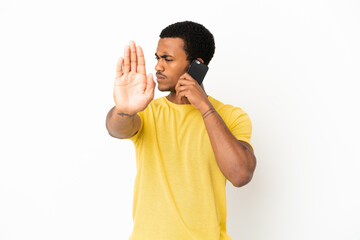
(133, 90)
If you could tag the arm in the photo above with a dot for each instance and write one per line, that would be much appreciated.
(235, 158)
(120, 125)
(133, 91)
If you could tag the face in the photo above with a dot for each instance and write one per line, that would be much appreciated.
(171, 64)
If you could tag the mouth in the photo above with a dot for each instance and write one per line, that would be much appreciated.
(160, 76)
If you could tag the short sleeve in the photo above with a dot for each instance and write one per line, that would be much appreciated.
(240, 125)
(138, 133)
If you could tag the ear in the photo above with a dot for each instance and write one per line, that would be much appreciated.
(200, 60)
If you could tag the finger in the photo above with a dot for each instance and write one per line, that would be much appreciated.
(183, 82)
(141, 61)
(183, 76)
(133, 58)
(180, 88)
(187, 76)
(127, 59)
(178, 84)
(150, 86)
(183, 93)
(119, 67)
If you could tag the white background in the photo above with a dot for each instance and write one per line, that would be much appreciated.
(293, 66)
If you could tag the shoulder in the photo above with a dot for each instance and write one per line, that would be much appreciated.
(154, 104)
(147, 116)
(227, 111)
(237, 120)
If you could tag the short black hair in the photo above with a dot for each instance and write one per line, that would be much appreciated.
(199, 42)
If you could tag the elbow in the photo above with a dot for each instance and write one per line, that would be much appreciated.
(116, 135)
(242, 179)
(112, 133)
(245, 174)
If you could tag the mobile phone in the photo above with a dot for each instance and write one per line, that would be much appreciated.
(198, 70)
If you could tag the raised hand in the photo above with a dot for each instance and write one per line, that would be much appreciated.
(133, 90)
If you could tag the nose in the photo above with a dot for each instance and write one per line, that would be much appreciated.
(159, 67)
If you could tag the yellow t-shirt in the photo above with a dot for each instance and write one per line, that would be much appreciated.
(179, 191)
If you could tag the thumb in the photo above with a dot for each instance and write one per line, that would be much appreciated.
(150, 86)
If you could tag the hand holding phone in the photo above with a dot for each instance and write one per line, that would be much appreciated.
(198, 70)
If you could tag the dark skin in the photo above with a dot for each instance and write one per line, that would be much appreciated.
(235, 158)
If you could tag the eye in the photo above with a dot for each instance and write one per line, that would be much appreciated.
(157, 58)
(168, 60)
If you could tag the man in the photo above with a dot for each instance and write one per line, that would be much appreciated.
(187, 144)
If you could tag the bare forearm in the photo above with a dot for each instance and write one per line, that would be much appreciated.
(235, 158)
(121, 125)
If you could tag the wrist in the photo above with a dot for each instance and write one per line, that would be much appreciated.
(123, 113)
(205, 107)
